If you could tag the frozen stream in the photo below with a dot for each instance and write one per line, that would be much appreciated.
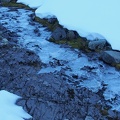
(90, 72)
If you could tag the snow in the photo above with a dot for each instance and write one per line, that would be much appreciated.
(32, 3)
(8, 109)
(98, 19)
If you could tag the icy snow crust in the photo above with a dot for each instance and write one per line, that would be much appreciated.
(72, 62)
(8, 109)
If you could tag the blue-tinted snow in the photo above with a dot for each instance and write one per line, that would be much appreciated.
(95, 18)
(8, 109)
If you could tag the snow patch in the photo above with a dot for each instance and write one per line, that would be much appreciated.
(87, 17)
(8, 109)
(32, 3)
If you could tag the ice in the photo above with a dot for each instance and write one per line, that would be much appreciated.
(92, 84)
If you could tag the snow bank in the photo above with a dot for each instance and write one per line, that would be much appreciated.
(89, 17)
(8, 109)
(32, 3)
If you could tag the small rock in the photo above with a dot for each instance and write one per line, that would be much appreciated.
(52, 20)
(89, 118)
(36, 30)
(45, 83)
(4, 42)
(1, 37)
(112, 114)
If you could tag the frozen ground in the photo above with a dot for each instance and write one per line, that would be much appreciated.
(90, 72)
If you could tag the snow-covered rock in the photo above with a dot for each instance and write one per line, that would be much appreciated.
(98, 44)
(72, 34)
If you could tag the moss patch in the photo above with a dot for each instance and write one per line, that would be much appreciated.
(104, 112)
(46, 23)
(117, 66)
(79, 43)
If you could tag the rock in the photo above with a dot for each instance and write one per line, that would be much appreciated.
(32, 16)
(111, 57)
(1, 37)
(52, 20)
(99, 44)
(89, 118)
(10, 36)
(59, 33)
(36, 30)
(62, 33)
(4, 1)
(72, 34)
(3, 42)
(111, 114)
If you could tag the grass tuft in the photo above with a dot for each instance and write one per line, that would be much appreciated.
(46, 23)
(79, 43)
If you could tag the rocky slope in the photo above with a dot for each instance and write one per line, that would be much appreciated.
(52, 94)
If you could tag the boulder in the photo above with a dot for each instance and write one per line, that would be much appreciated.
(59, 33)
(62, 33)
(72, 34)
(99, 44)
(111, 57)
